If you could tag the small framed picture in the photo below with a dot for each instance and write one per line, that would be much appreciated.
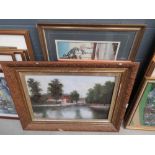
(75, 96)
(16, 39)
(90, 42)
(142, 115)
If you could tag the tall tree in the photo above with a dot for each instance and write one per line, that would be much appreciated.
(74, 95)
(90, 96)
(100, 94)
(35, 90)
(55, 89)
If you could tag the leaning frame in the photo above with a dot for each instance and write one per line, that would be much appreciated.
(14, 70)
(139, 29)
(148, 77)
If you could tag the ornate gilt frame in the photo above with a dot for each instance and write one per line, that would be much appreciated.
(139, 29)
(127, 70)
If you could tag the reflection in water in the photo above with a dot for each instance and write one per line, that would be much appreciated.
(70, 112)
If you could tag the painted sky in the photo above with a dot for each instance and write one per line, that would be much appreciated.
(78, 83)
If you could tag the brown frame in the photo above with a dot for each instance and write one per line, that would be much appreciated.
(8, 117)
(12, 53)
(138, 28)
(132, 109)
(15, 69)
(26, 35)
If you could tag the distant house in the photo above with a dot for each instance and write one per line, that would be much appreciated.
(65, 98)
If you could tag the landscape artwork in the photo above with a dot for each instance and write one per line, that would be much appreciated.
(70, 97)
(145, 113)
(87, 50)
(6, 103)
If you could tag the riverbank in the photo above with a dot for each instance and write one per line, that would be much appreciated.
(93, 106)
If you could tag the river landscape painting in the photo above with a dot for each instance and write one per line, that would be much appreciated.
(70, 97)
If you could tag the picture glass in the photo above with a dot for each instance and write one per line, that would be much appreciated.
(18, 57)
(6, 58)
(16, 41)
(6, 103)
(145, 112)
(69, 97)
(88, 44)
(87, 50)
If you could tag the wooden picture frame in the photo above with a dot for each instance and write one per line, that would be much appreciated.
(14, 53)
(139, 115)
(9, 109)
(13, 33)
(50, 33)
(19, 72)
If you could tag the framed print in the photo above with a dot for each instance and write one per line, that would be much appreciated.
(89, 42)
(13, 55)
(19, 39)
(142, 115)
(7, 108)
(70, 96)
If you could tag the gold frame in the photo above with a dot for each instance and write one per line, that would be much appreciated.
(139, 29)
(134, 103)
(141, 92)
(125, 69)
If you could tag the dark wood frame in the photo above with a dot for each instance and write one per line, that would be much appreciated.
(139, 29)
(12, 69)
(26, 35)
(133, 107)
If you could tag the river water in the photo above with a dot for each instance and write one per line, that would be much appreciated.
(69, 112)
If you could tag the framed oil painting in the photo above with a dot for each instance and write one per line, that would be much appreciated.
(142, 115)
(69, 95)
(75, 42)
(16, 39)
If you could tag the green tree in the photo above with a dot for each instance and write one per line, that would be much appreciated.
(100, 94)
(90, 96)
(35, 90)
(55, 89)
(74, 95)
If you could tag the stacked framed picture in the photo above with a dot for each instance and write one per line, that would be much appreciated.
(72, 42)
(141, 116)
(15, 45)
(81, 85)
(17, 40)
